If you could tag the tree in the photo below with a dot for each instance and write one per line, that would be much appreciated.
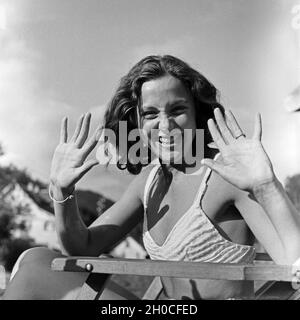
(7, 223)
(10, 247)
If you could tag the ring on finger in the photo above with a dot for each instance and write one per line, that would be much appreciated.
(240, 135)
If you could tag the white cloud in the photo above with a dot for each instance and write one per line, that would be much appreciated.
(26, 112)
(30, 115)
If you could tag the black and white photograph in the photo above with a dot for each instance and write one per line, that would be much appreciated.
(149, 150)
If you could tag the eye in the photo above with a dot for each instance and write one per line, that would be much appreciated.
(149, 114)
(178, 110)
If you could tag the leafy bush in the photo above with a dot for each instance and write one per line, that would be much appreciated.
(11, 249)
(7, 223)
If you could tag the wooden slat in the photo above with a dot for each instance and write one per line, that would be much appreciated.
(93, 287)
(263, 288)
(154, 290)
(278, 291)
(295, 295)
(120, 291)
(178, 269)
(262, 256)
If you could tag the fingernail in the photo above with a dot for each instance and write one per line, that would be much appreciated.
(212, 145)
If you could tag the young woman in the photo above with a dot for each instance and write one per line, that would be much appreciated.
(188, 212)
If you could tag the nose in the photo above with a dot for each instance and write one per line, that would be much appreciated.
(165, 123)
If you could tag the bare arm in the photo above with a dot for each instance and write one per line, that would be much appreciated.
(245, 164)
(283, 214)
(107, 230)
(69, 164)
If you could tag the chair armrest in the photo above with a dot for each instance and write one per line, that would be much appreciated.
(262, 256)
(154, 290)
(178, 269)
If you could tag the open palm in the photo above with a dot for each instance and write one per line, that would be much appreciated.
(69, 160)
(243, 162)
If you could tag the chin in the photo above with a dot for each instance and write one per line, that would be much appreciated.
(166, 155)
(170, 157)
(166, 160)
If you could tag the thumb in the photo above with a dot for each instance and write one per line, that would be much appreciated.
(212, 145)
(213, 165)
(88, 165)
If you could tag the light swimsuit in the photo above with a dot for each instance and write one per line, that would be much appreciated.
(193, 237)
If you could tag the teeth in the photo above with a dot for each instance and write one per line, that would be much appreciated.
(165, 140)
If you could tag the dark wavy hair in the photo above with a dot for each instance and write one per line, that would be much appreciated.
(124, 103)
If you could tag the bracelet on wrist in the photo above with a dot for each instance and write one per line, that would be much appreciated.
(71, 196)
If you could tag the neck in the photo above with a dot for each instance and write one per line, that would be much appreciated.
(191, 164)
(187, 167)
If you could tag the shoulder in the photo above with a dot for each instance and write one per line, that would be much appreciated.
(139, 182)
(133, 196)
(142, 177)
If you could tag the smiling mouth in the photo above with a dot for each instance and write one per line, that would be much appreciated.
(166, 141)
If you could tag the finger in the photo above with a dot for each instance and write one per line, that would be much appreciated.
(233, 125)
(84, 130)
(213, 165)
(212, 145)
(218, 139)
(88, 165)
(225, 132)
(92, 142)
(257, 128)
(64, 130)
(78, 129)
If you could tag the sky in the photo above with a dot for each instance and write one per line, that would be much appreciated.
(65, 57)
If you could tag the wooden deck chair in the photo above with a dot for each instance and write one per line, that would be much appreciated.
(272, 281)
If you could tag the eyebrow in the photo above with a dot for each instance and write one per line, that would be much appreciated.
(144, 107)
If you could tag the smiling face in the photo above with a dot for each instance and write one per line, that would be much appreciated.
(167, 109)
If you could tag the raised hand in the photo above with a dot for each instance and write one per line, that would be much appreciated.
(68, 163)
(243, 162)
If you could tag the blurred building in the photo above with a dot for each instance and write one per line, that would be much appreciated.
(34, 210)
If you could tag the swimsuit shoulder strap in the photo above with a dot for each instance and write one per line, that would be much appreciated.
(203, 185)
(148, 183)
